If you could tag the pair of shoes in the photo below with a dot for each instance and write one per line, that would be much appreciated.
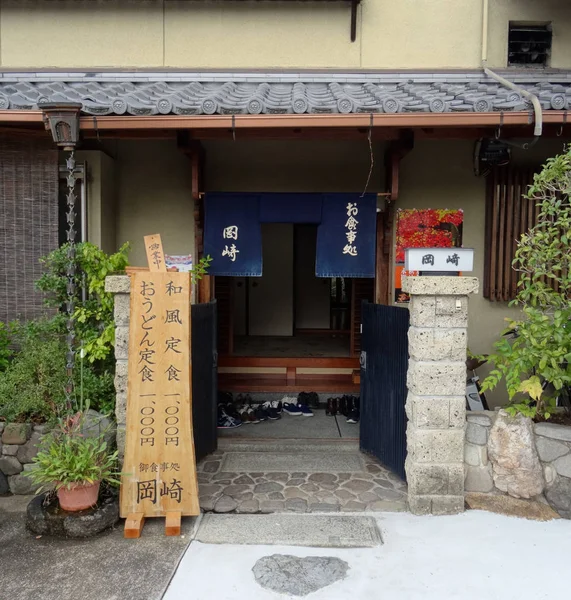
(272, 409)
(291, 407)
(332, 407)
(310, 399)
(353, 406)
(226, 421)
(249, 414)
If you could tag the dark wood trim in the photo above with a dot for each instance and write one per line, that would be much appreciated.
(322, 331)
(344, 362)
(242, 382)
(382, 264)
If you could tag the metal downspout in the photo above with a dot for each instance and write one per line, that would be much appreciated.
(512, 86)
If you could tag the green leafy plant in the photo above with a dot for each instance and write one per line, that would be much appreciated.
(200, 268)
(66, 456)
(535, 362)
(93, 316)
(5, 352)
(32, 386)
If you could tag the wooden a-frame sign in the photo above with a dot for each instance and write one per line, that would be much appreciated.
(159, 468)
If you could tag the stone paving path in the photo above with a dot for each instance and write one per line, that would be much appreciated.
(372, 489)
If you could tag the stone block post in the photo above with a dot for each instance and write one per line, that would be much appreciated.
(436, 402)
(120, 286)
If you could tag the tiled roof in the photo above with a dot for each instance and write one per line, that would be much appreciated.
(208, 94)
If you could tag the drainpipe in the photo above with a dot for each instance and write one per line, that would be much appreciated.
(531, 97)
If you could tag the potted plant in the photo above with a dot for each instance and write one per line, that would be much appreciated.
(75, 464)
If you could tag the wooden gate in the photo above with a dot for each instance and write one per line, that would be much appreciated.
(384, 363)
(204, 378)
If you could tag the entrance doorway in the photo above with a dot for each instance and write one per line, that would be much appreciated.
(289, 311)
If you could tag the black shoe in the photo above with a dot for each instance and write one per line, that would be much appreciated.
(261, 413)
(302, 398)
(329, 407)
(344, 405)
(354, 416)
(313, 400)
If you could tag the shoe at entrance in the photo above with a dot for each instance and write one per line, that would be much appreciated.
(305, 411)
(271, 410)
(354, 414)
(247, 414)
(332, 407)
(292, 409)
(225, 421)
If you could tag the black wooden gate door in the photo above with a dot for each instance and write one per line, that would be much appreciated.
(204, 378)
(384, 363)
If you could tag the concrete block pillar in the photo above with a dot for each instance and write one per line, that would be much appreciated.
(436, 381)
(120, 286)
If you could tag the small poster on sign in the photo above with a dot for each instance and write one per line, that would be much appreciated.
(182, 262)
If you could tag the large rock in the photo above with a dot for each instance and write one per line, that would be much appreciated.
(4, 488)
(96, 424)
(16, 433)
(21, 484)
(10, 465)
(559, 496)
(511, 450)
(298, 576)
(28, 451)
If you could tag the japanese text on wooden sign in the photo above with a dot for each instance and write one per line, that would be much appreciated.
(439, 259)
(159, 466)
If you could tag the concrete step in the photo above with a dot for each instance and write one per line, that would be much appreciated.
(288, 445)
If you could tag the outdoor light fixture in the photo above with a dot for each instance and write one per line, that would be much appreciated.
(62, 120)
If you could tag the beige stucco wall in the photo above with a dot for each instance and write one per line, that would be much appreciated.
(154, 189)
(408, 34)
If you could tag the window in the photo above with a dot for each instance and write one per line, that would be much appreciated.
(529, 45)
(508, 215)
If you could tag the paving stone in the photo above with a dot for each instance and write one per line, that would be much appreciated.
(203, 477)
(270, 506)
(309, 487)
(549, 450)
(328, 486)
(209, 489)
(298, 576)
(244, 480)
(345, 494)
(261, 480)
(386, 484)
(254, 475)
(225, 504)
(390, 494)
(276, 496)
(358, 485)
(341, 477)
(387, 505)
(224, 475)
(296, 481)
(232, 490)
(374, 469)
(368, 497)
(322, 478)
(297, 474)
(324, 507)
(248, 507)
(354, 506)
(283, 477)
(270, 486)
(243, 496)
(296, 505)
(293, 492)
(207, 503)
(224, 481)
(211, 467)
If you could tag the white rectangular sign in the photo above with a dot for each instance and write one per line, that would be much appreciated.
(439, 259)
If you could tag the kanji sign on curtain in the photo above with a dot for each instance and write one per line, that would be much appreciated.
(233, 235)
(346, 237)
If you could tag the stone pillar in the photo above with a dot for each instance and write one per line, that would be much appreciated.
(120, 286)
(436, 402)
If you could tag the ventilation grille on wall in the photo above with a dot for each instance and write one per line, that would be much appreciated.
(529, 45)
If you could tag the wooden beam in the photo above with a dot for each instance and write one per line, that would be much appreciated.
(134, 525)
(382, 266)
(172, 523)
(347, 362)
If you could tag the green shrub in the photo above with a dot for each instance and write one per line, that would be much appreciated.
(5, 352)
(32, 386)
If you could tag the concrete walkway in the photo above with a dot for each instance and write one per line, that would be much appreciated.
(470, 556)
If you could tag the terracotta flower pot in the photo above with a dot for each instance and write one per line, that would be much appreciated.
(79, 496)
